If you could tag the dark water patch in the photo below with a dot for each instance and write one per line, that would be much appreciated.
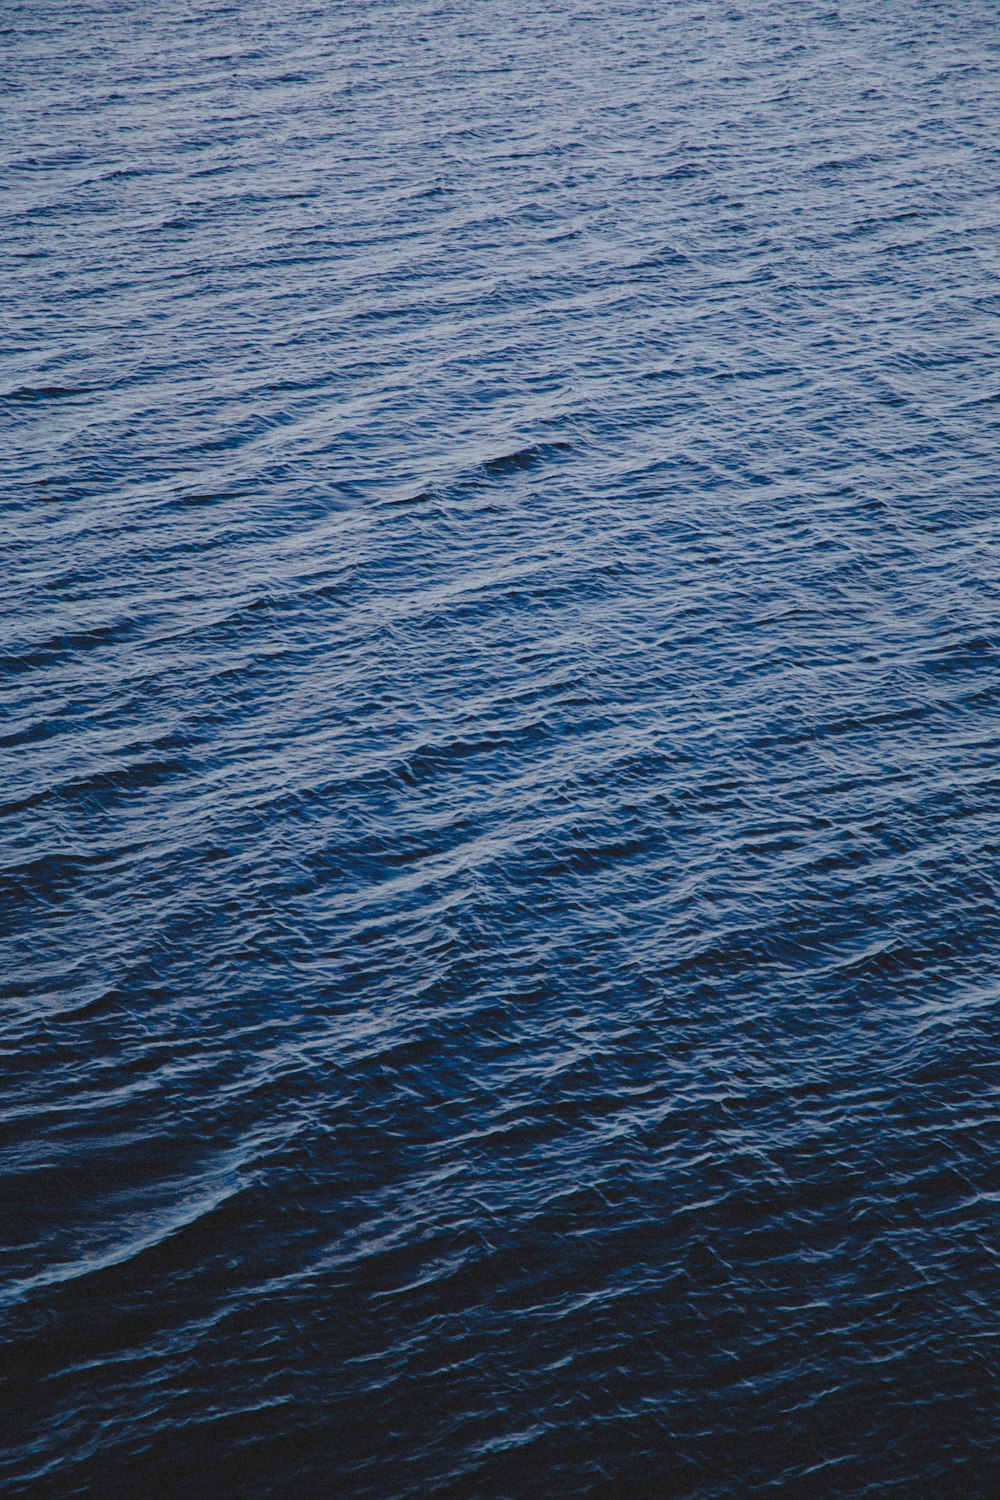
(665, 257)
(520, 459)
(47, 878)
(101, 788)
(29, 393)
(39, 654)
(503, 466)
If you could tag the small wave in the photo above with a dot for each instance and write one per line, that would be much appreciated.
(520, 458)
(103, 787)
(25, 394)
(504, 465)
(41, 653)
(667, 256)
(158, 1231)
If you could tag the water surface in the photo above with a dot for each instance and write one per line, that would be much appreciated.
(500, 832)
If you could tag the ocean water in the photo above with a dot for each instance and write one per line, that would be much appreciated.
(500, 839)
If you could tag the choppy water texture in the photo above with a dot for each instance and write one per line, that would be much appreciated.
(501, 709)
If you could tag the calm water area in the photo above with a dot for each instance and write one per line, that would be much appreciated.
(500, 749)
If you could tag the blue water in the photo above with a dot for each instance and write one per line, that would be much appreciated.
(500, 839)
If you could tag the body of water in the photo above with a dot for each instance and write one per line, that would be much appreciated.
(500, 837)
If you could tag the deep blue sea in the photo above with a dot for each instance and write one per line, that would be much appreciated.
(500, 740)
